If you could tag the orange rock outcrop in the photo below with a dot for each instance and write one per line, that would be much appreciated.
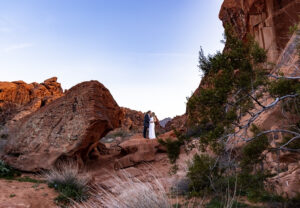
(18, 99)
(267, 20)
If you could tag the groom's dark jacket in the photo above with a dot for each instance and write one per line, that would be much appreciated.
(146, 120)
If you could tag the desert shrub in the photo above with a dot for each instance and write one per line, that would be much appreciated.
(202, 171)
(207, 177)
(229, 77)
(292, 145)
(178, 205)
(251, 152)
(69, 183)
(217, 202)
(283, 87)
(129, 192)
(173, 146)
(7, 172)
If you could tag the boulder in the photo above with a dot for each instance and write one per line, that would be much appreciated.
(135, 151)
(69, 127)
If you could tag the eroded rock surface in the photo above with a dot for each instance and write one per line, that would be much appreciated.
(178, 123)
(69, 127)
(18, 99)
(133, 120)
(268, 21)
(135, 151)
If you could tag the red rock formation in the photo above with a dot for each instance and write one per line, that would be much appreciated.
(178, 123)
(133, 120)
(267, 20)
(69, 127)
(18, 99)
(135, 151)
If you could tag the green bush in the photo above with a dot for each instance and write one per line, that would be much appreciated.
(199, 173)
(7, 172)
(70, 190)
(173, 148)
(283, 87)
(234, 73)
(219, 203)
(292, 145)
(207, 177)
(251, 152)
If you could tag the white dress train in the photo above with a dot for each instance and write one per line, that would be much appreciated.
(152, 129)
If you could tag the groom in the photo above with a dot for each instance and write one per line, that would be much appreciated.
(146, 123)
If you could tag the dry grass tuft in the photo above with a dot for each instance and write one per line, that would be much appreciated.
(129, 192)
(71, 185)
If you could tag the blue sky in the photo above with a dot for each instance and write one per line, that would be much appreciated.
(144, 51)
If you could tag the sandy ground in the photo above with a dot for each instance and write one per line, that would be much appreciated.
(15, 194)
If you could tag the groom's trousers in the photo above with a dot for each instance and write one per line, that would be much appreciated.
(145, 131)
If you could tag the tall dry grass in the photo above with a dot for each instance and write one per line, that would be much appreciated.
(128, 192)
(69, 183)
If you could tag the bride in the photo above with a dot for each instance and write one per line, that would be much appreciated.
(152, 126)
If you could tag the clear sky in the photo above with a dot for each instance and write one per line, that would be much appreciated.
(144, 51)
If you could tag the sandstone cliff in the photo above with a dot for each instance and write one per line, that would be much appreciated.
(269, 23)
(267, 20)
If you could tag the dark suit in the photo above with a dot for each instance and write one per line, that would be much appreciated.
(146, 124)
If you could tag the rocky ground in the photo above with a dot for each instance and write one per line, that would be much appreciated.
(15, 194)
(146, 164)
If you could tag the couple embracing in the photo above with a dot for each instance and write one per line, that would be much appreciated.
(149, 125)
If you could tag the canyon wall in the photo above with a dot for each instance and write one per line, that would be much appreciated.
(268, 21)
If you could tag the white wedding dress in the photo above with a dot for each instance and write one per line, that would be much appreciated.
(152, 129)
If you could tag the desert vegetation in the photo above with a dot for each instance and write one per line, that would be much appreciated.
(128, 192)
(67, 181)
(232, 88)
(6, 171)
